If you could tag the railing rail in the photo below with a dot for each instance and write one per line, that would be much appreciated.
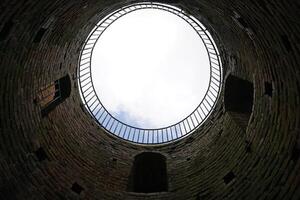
(139, 135)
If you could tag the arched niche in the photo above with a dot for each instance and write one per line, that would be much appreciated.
(149, 173)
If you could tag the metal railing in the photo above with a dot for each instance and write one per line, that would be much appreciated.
(139, 135)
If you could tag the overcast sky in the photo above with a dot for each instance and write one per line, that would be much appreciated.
(150, 69)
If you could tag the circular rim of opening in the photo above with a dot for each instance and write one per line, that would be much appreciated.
(137, 135)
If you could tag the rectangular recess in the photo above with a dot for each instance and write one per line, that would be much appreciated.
(229, 177)
(77, 188)
(6, 30)
(38, 37)
(41, 154)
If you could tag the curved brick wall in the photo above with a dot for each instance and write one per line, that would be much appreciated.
(53, 157)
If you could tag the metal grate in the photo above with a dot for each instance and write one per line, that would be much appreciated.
(139, 135)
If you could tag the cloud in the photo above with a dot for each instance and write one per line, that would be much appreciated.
(150, 69)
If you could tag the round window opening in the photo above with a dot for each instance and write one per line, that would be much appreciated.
(149, 73)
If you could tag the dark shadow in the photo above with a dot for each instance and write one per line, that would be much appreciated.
(77, 188)
(6, 30)
(268, 89)
(228, 177)
(242, 22)
(38, 37)
(149, 173)
(239, 100)
(41, 154)
(286, 42)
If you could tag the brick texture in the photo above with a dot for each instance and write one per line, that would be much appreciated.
(258, 41)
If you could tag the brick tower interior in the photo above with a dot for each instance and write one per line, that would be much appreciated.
(249, 147)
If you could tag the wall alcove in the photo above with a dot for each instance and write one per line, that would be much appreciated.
(149, 173)
(238, 99)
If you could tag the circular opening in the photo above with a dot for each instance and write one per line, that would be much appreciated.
(150, 69)
(149, 73)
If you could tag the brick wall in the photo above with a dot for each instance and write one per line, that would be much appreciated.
(42, 158)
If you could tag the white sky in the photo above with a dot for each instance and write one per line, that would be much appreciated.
(150, 69)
